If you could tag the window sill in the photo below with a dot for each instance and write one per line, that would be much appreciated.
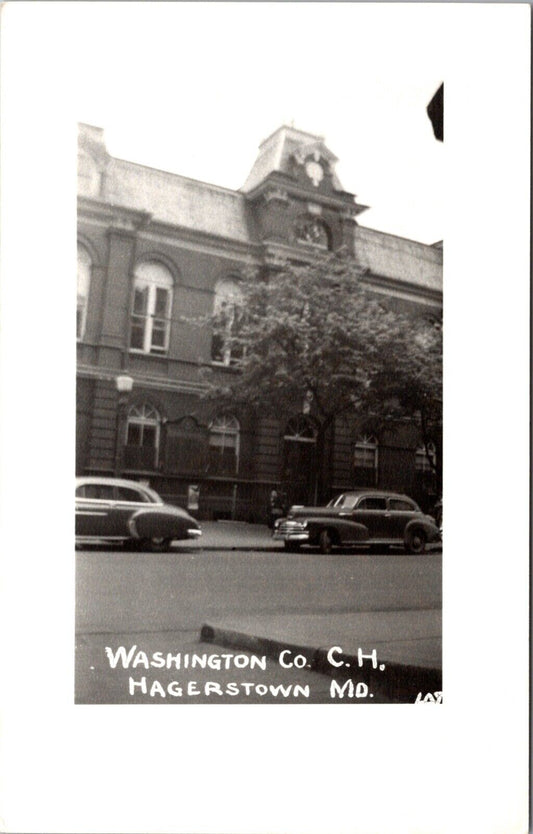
(222, 366)
(149, 354)
(323, 247)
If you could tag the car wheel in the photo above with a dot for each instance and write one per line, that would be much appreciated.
(158, 544)
(416, 541)
(292, 547)
(325, 541)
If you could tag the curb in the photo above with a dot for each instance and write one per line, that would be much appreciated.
(401, 684)
(272, 548)
(241, 548)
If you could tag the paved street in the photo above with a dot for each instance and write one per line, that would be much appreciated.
(159, 602)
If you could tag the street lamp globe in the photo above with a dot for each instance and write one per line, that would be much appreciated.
(124, 383)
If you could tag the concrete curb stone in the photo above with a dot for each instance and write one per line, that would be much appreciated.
(402, 684)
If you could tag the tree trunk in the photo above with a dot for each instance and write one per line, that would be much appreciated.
(321, 478)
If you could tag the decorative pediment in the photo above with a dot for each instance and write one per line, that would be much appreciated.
(93, 160)
(316, 151)
(316, 160)
(285, 151)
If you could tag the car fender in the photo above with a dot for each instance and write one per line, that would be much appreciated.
(347, 530)
(430, 529)
(159, 521)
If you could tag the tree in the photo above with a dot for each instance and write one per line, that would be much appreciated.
(416, 383)
(313, 337)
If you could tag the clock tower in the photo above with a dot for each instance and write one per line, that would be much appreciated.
(296, 198)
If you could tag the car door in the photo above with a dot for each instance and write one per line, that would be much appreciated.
(400, 511)
(371, 510)
(127, 501)
(94, 510)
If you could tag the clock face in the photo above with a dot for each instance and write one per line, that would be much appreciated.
(312, 231)
(315, 172)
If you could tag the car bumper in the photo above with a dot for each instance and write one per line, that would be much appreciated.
(285, 531)
(291, 537)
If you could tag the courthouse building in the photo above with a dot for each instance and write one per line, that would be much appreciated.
(158, 251)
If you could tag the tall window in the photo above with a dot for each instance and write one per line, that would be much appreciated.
(142, 437)
(425, 459)
(299, 459)
(84, 279)
(365, 460)
(224, 445)
(227, 310)
(186, 446)
(152, 302)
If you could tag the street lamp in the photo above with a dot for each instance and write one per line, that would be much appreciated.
(124, 385)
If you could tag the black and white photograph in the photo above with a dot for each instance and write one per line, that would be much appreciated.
(287, 352)
(259, 420)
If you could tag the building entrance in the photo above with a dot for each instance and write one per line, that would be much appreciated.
(299, 461)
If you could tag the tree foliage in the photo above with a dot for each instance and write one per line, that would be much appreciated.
(416, 382)
(314, 333)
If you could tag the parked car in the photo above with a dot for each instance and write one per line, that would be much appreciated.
(437, 513)
(361, 517)
(120, 511)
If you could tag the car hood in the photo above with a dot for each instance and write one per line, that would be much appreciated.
(299, 512)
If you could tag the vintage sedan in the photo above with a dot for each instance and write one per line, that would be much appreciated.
(113, 510)
(361, 517)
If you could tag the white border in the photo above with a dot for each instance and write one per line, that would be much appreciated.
(461, 767)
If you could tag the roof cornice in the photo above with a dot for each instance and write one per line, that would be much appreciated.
(134, 220)
(278, 180)
(210, 186)
(391, 284)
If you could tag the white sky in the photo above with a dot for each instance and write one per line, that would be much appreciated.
(194, 89)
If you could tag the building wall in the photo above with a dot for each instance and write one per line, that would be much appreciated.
(202, 234)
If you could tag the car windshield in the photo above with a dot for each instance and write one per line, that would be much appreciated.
(344, 500)
(111, 492)
(100, 492)
(152, 495)
(133, 494)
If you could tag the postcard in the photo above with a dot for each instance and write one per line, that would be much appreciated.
(290, 394)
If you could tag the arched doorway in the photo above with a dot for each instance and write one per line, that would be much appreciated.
(142, 437)
(298, 474)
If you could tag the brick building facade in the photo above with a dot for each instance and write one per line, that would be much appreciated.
(157, 251)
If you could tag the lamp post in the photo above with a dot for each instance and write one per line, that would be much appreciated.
(124, 385)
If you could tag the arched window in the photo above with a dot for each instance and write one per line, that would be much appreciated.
(142, 436)
(312, 231)
(224, 445)
(84, 280)
(300, 429)
(227, 309)
(365, 460)
(186, 446)
(425, 458)
(299, 459)
(152, 303)
(426, 483)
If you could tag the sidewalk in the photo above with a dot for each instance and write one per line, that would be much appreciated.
(236, 535)
(398, 653)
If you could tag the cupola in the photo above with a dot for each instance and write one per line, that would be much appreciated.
(296, 195)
